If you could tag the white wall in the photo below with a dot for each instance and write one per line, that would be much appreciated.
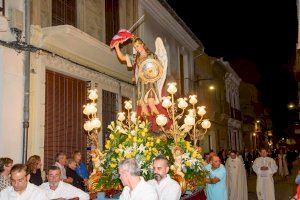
(11, 103)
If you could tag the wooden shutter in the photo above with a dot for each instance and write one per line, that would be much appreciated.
(65, 97)
(64, 12)
(112, 21)
(109, 111)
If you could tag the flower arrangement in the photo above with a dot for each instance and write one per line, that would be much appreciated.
(131, 137)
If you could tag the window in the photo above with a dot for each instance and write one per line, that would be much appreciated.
(181, 74)
(112, 22)
(2, 7)
(64, 12)
(109, 111)
(65, 97)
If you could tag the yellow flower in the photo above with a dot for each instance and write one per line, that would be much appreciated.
(145, 130)
(117, 151)
(113, 159)
(129, 136)
(148, 144)
(157, 141)
(120, 146)
(107, 141)
(188, 163)
(148, 157)
(151, 144)
(113, 165)
(134, 139)
(194, 155)
(143, 134)
(107, 146)
(140, 140)
(172, 167)
(128, 155)
(111, 136)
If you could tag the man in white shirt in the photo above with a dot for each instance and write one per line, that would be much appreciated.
(56, 188)
(61, 161)
(265, 167)
(167, 188)
(21, 189)
(135, 187)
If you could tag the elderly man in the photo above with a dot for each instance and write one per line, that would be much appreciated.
(56, 188)
(135, 187)
(265, 167)
(21, 189)
(167, 188)
(236, 178)
(61, 162)
(216, 182)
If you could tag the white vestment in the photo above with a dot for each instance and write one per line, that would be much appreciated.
(282, 165)
(142, 191)
(64, 190)
(236, 179)
(265, 182)
(31, 192)
(167, 189)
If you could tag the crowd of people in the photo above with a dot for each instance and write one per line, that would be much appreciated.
(67, 178)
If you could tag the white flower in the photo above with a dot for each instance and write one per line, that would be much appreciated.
(128, 105)
(182, 104)
(166, 102)
(88, 126)
(93, 94)
(141, 148)
(205, 124)
(161, 120)
(121, 116)
(189, 120)
(133, 117)
(191, 112)
(193, 99)
(96, 123)
(89, 109)
(201, 110)
(172, 88)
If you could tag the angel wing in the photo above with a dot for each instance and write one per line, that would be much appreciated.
(161, 54)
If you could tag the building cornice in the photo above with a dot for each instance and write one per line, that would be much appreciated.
(162, 15)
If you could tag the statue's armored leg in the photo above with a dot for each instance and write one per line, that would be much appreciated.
(152, 106)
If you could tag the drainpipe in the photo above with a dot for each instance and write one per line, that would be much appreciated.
(26, 82)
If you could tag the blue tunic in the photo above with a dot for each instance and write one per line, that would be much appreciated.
(217, 191)
(81, 170)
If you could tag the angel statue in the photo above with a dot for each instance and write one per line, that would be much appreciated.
(150, 70)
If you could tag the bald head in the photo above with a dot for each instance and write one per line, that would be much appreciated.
(215, 161)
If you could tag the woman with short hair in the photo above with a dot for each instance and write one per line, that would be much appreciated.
(5, 167)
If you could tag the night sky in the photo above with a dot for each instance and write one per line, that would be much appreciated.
(259, 43)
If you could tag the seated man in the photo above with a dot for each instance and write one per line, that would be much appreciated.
(21, 188)
(135, 187)
(56, 188)
(71, 173)
(167, 188)
(61, 160)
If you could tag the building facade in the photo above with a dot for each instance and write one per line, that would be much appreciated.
(69, 53)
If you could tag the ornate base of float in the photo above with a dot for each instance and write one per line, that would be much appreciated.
(197, 195)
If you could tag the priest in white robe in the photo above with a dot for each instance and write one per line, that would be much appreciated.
(265, 167)
(236, 178)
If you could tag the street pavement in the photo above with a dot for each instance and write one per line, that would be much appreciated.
(284, 189)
